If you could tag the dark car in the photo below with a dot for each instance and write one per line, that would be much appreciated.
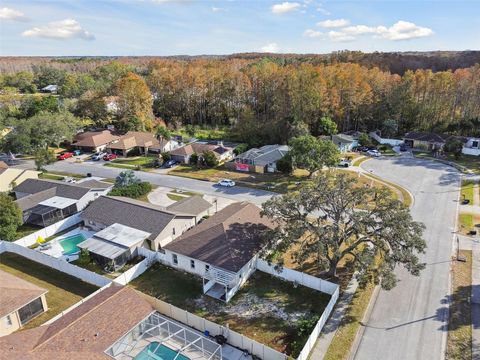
(170, 163)
(361, 149)
(403, 148)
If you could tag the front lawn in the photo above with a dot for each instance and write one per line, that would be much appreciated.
(266, 309)
(136, 161)
(467, 163)
(467, 222)
(468, 187)
(63, 290)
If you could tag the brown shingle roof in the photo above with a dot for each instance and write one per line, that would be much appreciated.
(136, 138)
(3, 165)
(83, 333)
(228, 239)
(199, 148)
(194, 205)
(95, 138)
(16, 292)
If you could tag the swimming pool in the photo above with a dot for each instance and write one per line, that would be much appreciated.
(69, 244)
(162, 352)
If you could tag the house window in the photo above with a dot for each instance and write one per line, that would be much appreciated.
(8, 321)
(173, 231)
(192, 264)
(30, 310)
(475, 144)
(207, 267)
(175, 259)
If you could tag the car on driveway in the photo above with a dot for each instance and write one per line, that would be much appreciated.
(403, 148)
(226, 183)
(98, 156)
(64, 155)
(169, 164)
(373, 153)
(109, 157)
(344, 163)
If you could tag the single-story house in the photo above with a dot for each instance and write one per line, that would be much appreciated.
(222, 249)
(84, 333)
(144, 142)
(345, 142)
(94, 141)
(259, 160)
(162, 225)
(222, 153)
(428, 141)
(20, 302)
(471, 146)
(195, 205)
(10, 177)
(52, 89)
(44, 202)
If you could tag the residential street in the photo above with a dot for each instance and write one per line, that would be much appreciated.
(409, 322)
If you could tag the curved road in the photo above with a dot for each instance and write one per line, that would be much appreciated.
(410, 321)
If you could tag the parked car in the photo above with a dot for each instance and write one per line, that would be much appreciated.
(170, 163)
(98, 156)
(226, 183)
(77, 152)
(64, 155)
(361, 149)
(374, 153)
(344, 163)
(403, 147)
(109, 157)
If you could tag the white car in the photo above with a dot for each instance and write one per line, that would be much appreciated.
(374, 153)
(226, 183)
(98, 156)
(344, 163)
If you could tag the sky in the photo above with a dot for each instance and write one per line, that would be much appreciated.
(216, 27)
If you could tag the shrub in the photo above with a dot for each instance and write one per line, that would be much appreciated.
(166, 156)
(209, 159)
(126, 178)
(240, 149)
(133, 191)
(284, 165)
(194, 159)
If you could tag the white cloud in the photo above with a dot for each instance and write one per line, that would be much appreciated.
(334, 23)
(270, 48)
(12, 14)
(285, 7)
(322, 10)
(401, 30)
(217, 9)
(312, 33)
(64, 29)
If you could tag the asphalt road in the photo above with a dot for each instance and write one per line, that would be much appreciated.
(410, 321)
(238, 193)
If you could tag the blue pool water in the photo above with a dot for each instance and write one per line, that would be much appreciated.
(161, 353)
(69, 244)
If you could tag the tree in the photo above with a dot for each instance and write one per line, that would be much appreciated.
(190, 130)
(209, 158)
(327, 126)
(284, 165)
(334, 218)
(309, 153)
(194, 159)
(126, 178)
(365, 140)
(10, 217)
(454, 146)
(163, 132)
(43, 157)
(389, 128)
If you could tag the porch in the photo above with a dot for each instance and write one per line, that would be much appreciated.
(220, 284)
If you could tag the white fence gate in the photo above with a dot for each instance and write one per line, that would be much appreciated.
(391, 142)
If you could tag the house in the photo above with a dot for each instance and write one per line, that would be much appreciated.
(161, 224)
(52, 89)
(259, 160)
(85, 332)
(20, 302)
(143, 142)
(222, 249)
(471, 146)
(426, 141)
(195, 205)
(345, 142)
(94, 141)
(10, 177)
(44, 202)
(183, 154)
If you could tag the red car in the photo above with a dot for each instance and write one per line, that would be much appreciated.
(64, 155)
(109, 157)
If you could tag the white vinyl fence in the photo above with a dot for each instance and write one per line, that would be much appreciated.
(138, 269)
(58, 264)
(391, 142)
(61, 225)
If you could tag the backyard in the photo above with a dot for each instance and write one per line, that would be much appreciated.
(63, 290)
(268, 310)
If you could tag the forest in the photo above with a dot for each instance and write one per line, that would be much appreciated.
(258, 99)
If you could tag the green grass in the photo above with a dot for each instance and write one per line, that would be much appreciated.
(120, 166)
(63, 290)
(465, 222)
(184, 290)
(467, 163)
(405, 195)
(206, 134)
(50, 176)
(175, 197)
(468, 187)
(360, 160)
(24, 230)
(459, 337)
(141, 160)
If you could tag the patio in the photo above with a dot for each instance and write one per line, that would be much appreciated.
(54, 247)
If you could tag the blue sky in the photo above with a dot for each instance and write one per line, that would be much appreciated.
(194, 27)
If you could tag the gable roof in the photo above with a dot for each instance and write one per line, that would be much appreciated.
(200, 148)
(343, 138)
(95, 138)
(16, 293)
(137, 138)
(33, 186)
(32, 200)
(194, 205)
(429, 137)
(227, 240)
(136, 214)
(83, 333)
(265, 155)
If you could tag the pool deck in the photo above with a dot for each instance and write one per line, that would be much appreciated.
(56, 249)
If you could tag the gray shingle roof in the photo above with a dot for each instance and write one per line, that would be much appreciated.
(33, 186)
(265, 155)
(109, 210)
(227, 240)
(194, 205)
(32, 200)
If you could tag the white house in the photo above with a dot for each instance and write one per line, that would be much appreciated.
(471, 146)
(222, 250)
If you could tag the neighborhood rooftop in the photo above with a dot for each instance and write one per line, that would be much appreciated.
(265, 155)
(194, 205)
(16, 292)
(228, 240)
(94, 139)
(71, 191)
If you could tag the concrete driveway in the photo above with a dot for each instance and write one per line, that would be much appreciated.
(410, 321)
